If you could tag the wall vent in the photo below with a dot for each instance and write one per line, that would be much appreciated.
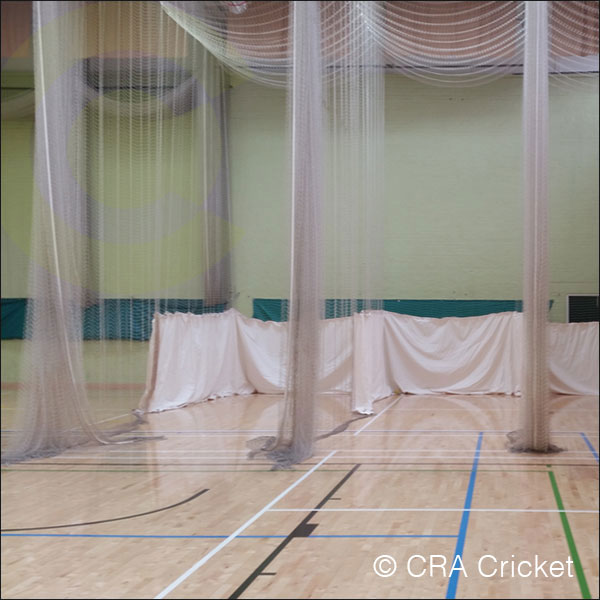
(582, 308)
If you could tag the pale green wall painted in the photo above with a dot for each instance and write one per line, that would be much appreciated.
(16, 182)
(146, 257)
(258, 158)
(453, 191)
(17, 192)
(453, 172)
(116, 362)
(573, 183)
(10, 357)
(453, 198)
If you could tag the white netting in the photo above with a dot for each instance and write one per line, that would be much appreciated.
(573, 44)
(131, 210)
(132, 205)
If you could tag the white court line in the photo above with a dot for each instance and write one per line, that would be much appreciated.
(383, 434)
(239, 530)
(437, 450)
(196, 431)
(189, 452)
(244, 459)
(265, 509)
(448, 453)
(516, 458)
(508, 510)
(376, 416)
(561, 411)
(449, 432)
(238, 461)
(437, 409)
(115, 418)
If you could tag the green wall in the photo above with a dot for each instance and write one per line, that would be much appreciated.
(260, 198)
(17, 191)
(453, 197)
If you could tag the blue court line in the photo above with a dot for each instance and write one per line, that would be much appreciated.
(216, 537)
(383, 535)
(464, 522)
(589, 445)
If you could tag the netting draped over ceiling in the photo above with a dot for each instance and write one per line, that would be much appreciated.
(132, 210)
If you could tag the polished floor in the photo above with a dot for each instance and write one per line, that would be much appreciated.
(384, 509)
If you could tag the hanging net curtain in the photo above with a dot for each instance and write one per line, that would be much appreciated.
(573, 44)
(452, 43)
(132, 166)
(324, 54)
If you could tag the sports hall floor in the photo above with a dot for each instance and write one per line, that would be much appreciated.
(191, 516)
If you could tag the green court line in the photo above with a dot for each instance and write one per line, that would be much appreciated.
(583, 586)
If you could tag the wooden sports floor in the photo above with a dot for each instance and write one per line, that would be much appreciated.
(425, 480)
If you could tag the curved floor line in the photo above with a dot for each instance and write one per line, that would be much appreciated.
(149, 512)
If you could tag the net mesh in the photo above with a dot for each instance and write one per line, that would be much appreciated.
(132, 205)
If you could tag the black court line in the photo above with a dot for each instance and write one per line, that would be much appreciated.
(308, 464)
(149, 512)
(303, 529)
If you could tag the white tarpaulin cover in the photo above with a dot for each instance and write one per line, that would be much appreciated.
(198, 357)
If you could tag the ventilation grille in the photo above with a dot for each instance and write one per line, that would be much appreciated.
(582, 308)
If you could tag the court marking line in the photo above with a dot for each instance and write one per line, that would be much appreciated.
(265, 509)
(437, 509)
(462, 431)
(506, 410)
(235, 471)
(464, 522)
(382, 535)
(370, 421)
(591, 464)
(350, 432)
(143, 514)
(351, 454)
(120, 417)
(219, 537)
(303, 529)
(583, 586)
(589, 445)
(238, 531)
(359, 452)
(439, 450)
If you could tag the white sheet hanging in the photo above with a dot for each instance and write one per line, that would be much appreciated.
(573, 358)
(473, 355)
(198, 357)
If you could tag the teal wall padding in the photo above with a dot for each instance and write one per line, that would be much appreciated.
(12, 318)
(112, 319)
(275, 309)
(269, 309)
(131, 319)
(451, 308)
